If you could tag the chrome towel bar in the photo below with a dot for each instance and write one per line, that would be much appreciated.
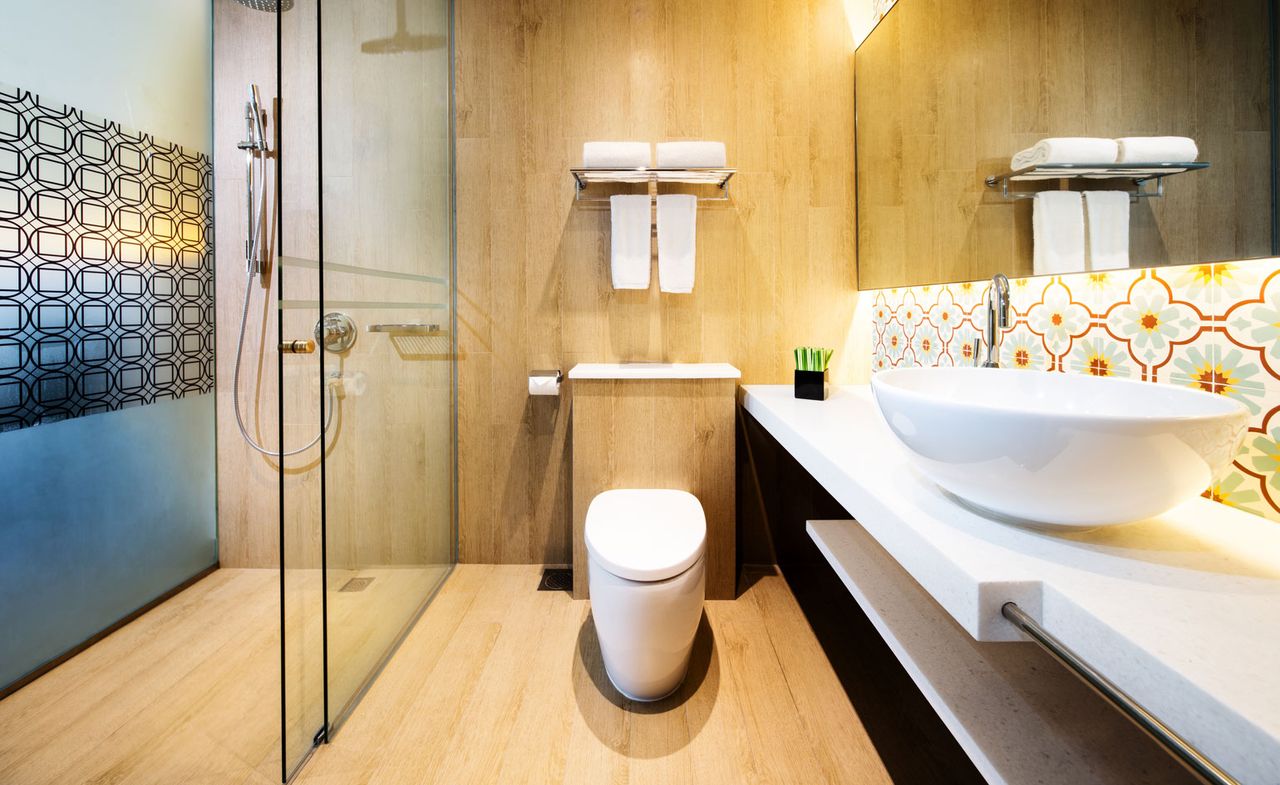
(1188, 755)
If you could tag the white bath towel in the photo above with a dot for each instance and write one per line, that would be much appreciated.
(677, 242)
(630, 216)
(1067, 150)
(1157, 149)
(1057, 221)
(616, 155)
(691, 155)
(1107, 229)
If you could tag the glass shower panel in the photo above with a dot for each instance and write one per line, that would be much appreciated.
(386, 262)
(301, 487)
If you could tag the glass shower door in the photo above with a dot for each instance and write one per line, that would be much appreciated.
(386, 263)
(366, 232)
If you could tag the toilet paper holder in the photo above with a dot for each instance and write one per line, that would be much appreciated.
(539, 381)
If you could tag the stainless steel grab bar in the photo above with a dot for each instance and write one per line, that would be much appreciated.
(1179, 747)
(407, 329)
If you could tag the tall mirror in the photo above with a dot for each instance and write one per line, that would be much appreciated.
(950, 92)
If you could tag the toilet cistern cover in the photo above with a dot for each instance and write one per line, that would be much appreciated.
(645, 535)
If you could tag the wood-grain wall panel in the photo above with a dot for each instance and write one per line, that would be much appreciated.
(535, 79)
(949, 90)
(676, 434)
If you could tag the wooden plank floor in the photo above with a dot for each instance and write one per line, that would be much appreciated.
(189, 693)
(499, 683)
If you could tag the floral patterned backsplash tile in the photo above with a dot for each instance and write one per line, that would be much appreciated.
(1214, 327)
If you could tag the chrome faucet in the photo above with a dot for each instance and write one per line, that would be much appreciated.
(997, 319)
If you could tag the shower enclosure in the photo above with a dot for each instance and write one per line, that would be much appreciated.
(364, 271)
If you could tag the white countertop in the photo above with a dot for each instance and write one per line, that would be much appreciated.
(1182, 611)
(654, 371)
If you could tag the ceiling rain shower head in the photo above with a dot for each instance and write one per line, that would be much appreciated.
(402, 40)
(267, 5)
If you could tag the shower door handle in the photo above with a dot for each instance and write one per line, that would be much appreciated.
(307, 346)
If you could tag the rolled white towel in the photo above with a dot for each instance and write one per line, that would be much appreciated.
(1107, 229)
(1157, 149)
(616, 155)
(1067, 150)
(1057, 222)
(691, 155)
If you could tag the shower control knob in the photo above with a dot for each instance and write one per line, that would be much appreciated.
(336, 332)
(298, 347)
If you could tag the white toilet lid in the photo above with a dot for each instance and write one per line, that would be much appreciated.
(645, 535)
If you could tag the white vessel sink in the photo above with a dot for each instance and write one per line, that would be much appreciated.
(1060, 450)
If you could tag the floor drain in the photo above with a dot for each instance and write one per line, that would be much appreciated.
(356, 584)
(556, 579)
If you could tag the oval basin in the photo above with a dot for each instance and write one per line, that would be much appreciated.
(1060, 450)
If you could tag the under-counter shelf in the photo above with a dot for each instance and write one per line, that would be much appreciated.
(1177, 611)
(1137, 173)
(719, 177)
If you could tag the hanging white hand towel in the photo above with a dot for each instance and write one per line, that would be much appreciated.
(1107, 229)
(677, 242)
(631, 220)
(1057, 221)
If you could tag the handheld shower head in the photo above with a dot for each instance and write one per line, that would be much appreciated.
(254, 108)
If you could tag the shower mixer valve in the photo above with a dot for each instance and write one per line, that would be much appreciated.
(336, 332)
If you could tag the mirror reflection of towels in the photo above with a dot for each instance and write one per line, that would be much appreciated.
(1107, 229)
(1057, 221)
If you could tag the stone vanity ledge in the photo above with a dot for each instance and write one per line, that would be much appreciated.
(1182, 611)
(654, 371)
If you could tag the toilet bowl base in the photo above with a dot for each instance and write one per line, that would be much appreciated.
(637, 698)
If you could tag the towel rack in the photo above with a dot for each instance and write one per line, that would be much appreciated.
(584, 177)
(407, 329)
(1177, 746)
(1138, 174)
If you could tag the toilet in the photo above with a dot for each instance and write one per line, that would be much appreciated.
(646, 574)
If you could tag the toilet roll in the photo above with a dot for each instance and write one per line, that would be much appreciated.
(544, 383)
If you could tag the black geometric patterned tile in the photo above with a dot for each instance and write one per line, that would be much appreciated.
(106, 268)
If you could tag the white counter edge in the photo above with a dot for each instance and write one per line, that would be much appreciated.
(654, 371)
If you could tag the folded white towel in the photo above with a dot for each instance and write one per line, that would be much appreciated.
(677, 242)
(1067, 150)
(691, 155)
(1107, 229)
(616, 155)
(1157, 149)
(1057, 221)
(631, 220)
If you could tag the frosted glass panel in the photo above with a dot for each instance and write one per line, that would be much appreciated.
(101, 515)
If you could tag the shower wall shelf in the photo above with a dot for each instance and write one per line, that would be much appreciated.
(1138, 174)
(582, 178)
